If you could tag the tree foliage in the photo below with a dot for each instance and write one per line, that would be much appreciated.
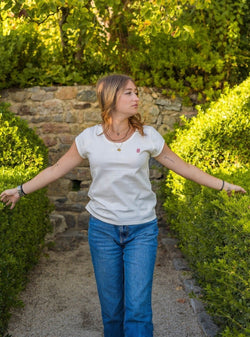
(187, 46)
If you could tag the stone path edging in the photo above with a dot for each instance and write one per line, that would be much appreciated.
(205, 321)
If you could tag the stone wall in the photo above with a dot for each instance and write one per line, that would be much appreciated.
(59, 114)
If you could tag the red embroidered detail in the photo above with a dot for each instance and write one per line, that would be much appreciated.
(138, 150)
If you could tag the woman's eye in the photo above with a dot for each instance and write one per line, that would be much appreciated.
(131, 92)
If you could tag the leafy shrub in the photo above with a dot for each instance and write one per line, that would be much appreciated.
(214, 229)
(21, 52)
(22, 229)
(185, 47)
(19, 145)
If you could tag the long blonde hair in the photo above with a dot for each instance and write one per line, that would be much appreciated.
(106, 90)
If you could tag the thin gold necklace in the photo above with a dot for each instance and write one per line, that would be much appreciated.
(118, 148)
(117, 140)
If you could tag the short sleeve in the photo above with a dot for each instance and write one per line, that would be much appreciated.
(157, 142)
(81, 144)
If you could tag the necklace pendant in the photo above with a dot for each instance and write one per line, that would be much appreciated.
(119, 149)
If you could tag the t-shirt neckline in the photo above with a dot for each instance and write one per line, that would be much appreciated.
(101, 132)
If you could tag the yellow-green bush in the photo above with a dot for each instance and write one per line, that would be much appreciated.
(22, 230)
(214, 229)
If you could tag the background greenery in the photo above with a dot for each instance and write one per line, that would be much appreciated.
(214, 229)
(195, 47)
(22, 230)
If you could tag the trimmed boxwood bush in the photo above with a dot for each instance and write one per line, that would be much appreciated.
(22, 230)
(214, 229)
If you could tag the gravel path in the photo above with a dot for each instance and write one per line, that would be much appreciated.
(61, 298)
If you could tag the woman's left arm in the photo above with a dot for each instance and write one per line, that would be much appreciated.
(170, 160)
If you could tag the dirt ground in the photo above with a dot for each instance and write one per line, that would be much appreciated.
(61, 298)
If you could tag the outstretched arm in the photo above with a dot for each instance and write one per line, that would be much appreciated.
(65, 164)
(170, 160)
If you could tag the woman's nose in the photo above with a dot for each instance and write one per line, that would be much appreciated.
(136, 98)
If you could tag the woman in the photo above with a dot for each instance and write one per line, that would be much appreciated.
(122, 225)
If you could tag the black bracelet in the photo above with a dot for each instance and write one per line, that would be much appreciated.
(22, 190)
(223, 182)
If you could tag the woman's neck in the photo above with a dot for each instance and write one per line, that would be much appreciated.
(118, 130)
(118, 126)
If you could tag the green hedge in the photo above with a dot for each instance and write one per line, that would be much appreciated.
(214, 229)
(20, 146)
(22, 230)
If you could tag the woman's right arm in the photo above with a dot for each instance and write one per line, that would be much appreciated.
(65, 164)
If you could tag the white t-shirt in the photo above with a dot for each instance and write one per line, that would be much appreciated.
(120, 192)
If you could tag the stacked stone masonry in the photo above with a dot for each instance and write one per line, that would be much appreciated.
(59, 114)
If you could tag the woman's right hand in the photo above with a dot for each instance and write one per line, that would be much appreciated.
(10, 197)
(67, 162)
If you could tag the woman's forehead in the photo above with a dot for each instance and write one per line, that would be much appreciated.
(130, 85)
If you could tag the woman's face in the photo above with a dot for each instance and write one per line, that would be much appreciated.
(127, 100)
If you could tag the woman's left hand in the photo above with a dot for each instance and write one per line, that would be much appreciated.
(229, 188)
(172, 161)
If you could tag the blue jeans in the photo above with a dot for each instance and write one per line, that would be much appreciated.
(123, 258)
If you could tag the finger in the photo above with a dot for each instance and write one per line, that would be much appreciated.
(239, 189)
(8, 202)
(3, 194)
(3, 197)
(13, 205)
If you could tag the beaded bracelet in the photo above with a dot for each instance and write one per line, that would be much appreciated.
(21, 191)
(223, 182)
